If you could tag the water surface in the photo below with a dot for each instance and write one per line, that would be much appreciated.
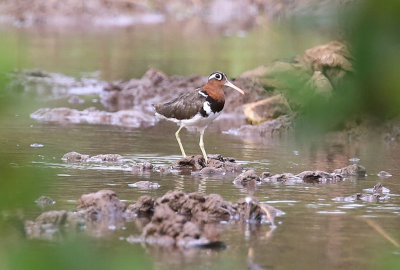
(315, 233)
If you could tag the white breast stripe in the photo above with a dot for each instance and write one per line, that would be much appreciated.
(207, 107)
(203, 94)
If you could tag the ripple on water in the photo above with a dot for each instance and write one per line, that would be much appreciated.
(351, 206)
(36, 145)
(334, 212)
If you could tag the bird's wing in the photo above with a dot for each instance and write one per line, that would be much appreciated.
(185, 106)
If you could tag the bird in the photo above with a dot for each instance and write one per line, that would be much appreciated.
(197, 108)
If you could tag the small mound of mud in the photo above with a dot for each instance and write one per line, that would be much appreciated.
(287, 178)
(50, 224)
(100, 205)
(249, 177)
(319, 177)
(96, 212)
(217, 164)
(351, 170)
(376, 194)
(77, 157)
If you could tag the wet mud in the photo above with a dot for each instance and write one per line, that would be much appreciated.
(176, 219)
(217, 164)
(374, 195)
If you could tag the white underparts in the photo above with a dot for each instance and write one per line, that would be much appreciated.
(207, 107)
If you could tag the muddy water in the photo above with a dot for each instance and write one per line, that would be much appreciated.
(315, 233)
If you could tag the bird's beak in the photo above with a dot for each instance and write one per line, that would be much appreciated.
(228, 83)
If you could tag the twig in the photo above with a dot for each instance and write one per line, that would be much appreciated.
(381, 231)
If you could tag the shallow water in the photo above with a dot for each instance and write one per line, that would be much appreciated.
(315, 233)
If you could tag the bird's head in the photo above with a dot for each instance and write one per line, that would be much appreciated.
(219, 79)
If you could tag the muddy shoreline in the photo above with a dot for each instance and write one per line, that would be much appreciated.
(264, 112)
(177, 219)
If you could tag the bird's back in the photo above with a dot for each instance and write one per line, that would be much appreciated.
(185, 106)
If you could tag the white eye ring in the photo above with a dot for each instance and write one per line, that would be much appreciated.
(218, 76)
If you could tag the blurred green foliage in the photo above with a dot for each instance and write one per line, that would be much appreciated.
(371, 31)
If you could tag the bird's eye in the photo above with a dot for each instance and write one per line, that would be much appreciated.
(218, 76)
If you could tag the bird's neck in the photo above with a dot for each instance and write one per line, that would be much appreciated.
(215, 91)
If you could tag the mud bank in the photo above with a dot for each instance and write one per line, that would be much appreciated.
(252, 179)
(265, 105)
(129, 103)
(175, 219)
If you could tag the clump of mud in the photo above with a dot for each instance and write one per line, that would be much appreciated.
(178, 219)
(217, 164)
(353, 170)
(77, 157)
(374, 195)
(175, 219)
(249, 177)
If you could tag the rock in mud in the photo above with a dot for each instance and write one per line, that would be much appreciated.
(332, 59)
(49, 224)
(249, 177)
(103, 204)
(145, 185)
(351, 170)
(44, 201)
(217, 164)
(266, 109)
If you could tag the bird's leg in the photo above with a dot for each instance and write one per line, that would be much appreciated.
(201, 144)
(179, 141)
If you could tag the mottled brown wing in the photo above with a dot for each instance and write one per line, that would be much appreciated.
(185, 106)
